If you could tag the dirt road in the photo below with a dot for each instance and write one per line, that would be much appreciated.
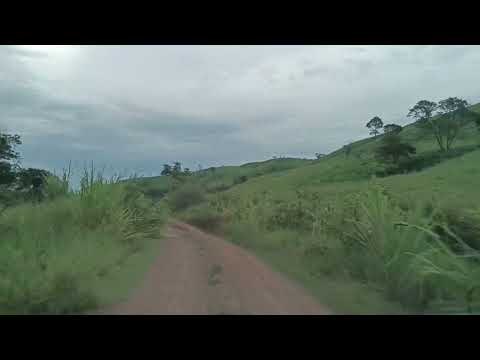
(196, 273)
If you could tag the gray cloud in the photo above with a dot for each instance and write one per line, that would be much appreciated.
(136, 107)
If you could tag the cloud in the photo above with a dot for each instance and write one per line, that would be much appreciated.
(137, 107)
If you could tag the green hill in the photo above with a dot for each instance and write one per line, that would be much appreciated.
(284, 175)
(221, 178)
(331, 223)
(343, 173)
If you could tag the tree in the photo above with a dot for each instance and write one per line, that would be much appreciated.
(175, 171)
(177, 168)
(392, 149)
(7, 173)
(374, 125)
(453, 110)
(167, 170)
(447, 123)
(8, 157)
(392, 128)
(32, 177)
(423, 110)
(8, 144)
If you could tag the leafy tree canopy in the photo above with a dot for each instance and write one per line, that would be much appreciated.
(423, 110)
(445, 126)
(8, 155)
(374, 125)
(393, 148)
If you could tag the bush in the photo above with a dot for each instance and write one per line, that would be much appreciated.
(204, 218)
(240, 179)
(422, 162)
(186, 196)
(155, 193)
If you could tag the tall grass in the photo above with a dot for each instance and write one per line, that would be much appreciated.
(52, 252)
(407, 252)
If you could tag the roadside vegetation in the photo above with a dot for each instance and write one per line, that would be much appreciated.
(389, 224)
(61, 248)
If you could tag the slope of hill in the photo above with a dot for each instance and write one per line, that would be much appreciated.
(326, 224)
(284, 174)
(338, 170)
(223, 177)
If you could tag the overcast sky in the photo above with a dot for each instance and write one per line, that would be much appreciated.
(133, 108)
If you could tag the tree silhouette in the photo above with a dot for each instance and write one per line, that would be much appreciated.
(8, 157)
(446, 125)
(374, 125)
(167, 170)
(392, 149)
(453, 109)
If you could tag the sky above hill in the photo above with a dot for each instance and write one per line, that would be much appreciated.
(133, 108)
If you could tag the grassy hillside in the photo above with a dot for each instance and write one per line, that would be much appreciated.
(345, 172)
(221, 178)
(332, 224)
(283, 176)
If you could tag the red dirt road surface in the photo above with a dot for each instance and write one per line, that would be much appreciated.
(201, 274)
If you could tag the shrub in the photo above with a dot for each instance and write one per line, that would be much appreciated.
(423, 161)
(186, 196)
(240, 179)
(155, 193)
(204, 218)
